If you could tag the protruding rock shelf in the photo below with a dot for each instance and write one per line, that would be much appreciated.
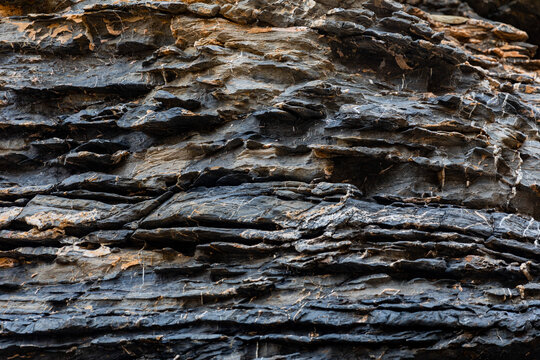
(292, 179)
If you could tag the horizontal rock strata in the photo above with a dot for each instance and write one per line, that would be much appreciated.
(268, 179)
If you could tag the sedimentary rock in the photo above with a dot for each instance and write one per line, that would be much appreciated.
(268, 179)
(524, 14)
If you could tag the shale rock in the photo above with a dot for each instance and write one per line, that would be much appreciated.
(269, 179)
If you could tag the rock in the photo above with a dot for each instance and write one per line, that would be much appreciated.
(87, 160)
(168, 121)
(107, 237)
(510, 33)
(280, 179)
(251, 210)
(170, 101)
(205, 10)
(7, 215)
(94, 181)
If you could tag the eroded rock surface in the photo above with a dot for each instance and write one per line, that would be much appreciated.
(524, 14)
(267, 179)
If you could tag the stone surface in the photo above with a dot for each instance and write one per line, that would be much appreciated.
(523, 14)
(269, 179)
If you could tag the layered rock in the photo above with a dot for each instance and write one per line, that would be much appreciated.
(267, 179)
(524, 14)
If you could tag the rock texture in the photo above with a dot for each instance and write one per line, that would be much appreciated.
(267, 179)
(524, 14)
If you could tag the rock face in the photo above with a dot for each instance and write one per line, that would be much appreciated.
(267, 179)
(524, 14)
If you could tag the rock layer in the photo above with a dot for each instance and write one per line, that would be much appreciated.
(267, 179)
(524, 14)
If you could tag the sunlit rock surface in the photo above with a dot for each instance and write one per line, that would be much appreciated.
(268, 179)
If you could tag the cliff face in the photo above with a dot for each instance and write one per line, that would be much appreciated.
(524, 14)
(267, 179)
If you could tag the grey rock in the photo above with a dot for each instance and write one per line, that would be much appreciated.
(277, 179)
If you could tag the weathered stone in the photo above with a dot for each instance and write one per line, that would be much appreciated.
(269, 179)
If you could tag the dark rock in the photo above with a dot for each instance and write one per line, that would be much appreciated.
(280, 179)
(167, 122)
(170, 101)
